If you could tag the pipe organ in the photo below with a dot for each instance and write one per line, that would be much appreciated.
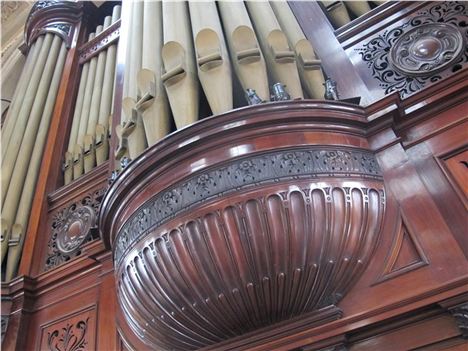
(235, 175)
(188, 50)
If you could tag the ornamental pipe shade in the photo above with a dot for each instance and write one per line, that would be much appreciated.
(243, 220)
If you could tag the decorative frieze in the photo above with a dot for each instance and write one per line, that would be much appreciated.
(244, 173)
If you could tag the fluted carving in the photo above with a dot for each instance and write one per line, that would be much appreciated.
(255, 262)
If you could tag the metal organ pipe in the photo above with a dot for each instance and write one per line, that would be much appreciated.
(8, 161)
(308, 65)
(153, 104)
(180, 74)
(13, 186)
(214, 68)
(105, 110)
(246, 55)
(18, 95)
(78, 162)
(89, 152)
(33, 167)
(280, 58)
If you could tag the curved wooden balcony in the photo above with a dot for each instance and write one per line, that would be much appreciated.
(243, 220)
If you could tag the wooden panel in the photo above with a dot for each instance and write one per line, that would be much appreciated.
(72, 332)
(412, 336)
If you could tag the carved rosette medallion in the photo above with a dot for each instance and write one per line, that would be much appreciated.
(430, 46)
(72, 227)
(427, 49)
(75, 230)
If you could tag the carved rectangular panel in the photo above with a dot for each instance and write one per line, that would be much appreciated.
(455, 167)
(75, 332)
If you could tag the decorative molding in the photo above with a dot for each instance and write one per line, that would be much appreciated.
(4, 326)
(243, 173)
(103, 40)
(72, 337)
(72, 227)
(397, 263)
(243, 266)
(436, 37)
(460, 313)
(59, 17)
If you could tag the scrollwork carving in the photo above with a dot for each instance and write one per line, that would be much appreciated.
(267, 168)
(71, 228)
(72, 337)
(421, 51)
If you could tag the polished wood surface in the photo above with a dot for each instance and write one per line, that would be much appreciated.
(411, 294)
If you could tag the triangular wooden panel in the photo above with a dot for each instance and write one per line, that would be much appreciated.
(405, 255)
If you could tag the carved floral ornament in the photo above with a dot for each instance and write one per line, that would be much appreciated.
(429, 47)
(72, 337)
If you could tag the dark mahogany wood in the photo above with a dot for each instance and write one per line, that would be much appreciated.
(410, 294)
(99, 43)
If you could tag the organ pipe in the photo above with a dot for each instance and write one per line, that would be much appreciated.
(246, 55)
(279, 56)
(132, 127)
(337, 12)
(89, 152)
(68, 175)
(78, 161)
(9, 159)
(180, 74)
(214, 68)
(19, 167)
(102, 128)
(33, 167)
(308, 64)
(153, 104)
(359, 8)
(18, 96)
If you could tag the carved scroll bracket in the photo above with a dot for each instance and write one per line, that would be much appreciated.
(59, 17)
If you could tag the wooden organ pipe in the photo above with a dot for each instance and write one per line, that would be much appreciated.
(309, 66)
(153, 104)
(31, 167)
(78, 162)
(32, 104)
(358, 8)
(246, 55)
(132, 131)
(41, 103)
(279, 56)
(18, 96)
(337, 12)
(105, 109)
(180, 74)
(89, 151)
(214, 68)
